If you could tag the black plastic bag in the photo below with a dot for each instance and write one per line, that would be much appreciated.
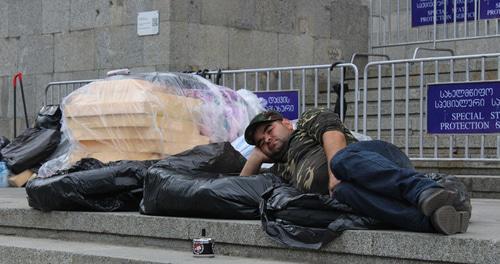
(307, 220)
(3, 142)
(195, 183)
(49, 117)
(31, 148)
(206, 160)
(90, 185)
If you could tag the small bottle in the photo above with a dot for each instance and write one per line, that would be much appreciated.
(204, 246)
(4, 175)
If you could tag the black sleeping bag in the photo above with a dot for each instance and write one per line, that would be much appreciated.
(312, 220)
(198, 183)
(91, 186)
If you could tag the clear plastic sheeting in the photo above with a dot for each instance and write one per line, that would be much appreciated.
(150, 116)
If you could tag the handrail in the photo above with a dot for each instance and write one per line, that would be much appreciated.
(65, 83)
(432, 49)
(306, 67)
(354, 55)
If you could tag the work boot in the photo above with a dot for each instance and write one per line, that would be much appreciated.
(433, 198)
(446, 220)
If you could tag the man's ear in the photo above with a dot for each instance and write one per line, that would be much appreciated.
(287, 123)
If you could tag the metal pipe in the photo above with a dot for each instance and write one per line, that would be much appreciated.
(256, 81)
(356, 54)
(467, 78)
(434, 33)
(315, 87)
(379, 101)
(234, 81)
(436, 79)
(303, 90)
(279, 80)
(421, 119)
(483, 73)
(341, 93)
(393, 98)
(433, 49)
(407, 102)
(328, 90)
(267, 80)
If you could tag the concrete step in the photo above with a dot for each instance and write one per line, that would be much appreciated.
(482, 186)
(15, 249)
(130, 230)
(459, 167)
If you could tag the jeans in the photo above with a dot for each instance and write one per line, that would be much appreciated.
(379, 181)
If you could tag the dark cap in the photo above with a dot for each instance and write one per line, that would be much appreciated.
(262, 118)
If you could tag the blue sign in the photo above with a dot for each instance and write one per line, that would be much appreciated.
(284, 102)
(463, 108)
(422, 11)
(489, 9)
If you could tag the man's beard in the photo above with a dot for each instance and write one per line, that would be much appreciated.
(280, 155)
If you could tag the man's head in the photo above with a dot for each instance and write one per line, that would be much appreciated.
(269, 132)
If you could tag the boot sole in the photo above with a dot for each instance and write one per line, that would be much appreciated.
(448, 221)
(436, 200)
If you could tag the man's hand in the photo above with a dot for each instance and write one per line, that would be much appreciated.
(255, 160)
(332, 182)
(333, 141)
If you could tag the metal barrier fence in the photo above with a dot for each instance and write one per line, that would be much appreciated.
(56, 91)
(315, 80)
(390, 105)
(403, 22)
(400, 119)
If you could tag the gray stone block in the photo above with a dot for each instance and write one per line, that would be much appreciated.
(276, 16)
(55, 16)
(295, 50)
(327, 51)
(9, 50)
(40, 82)
(185, 11)
(164, 7)
(475, 46)
(125, 12)
(4, 19)
(196, 46)
(349, 21)
(36, 54)
(5, 88)
(156, 48)
(163, 68)
(87, 14)
(77, 75)
(252, 49)
(75, 51)
(350, 47)
(231, 13)
(118, 47)
(25, 17)
(314, 18)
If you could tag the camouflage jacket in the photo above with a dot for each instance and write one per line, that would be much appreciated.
(305, 165)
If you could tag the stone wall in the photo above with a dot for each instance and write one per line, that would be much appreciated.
(53, 40)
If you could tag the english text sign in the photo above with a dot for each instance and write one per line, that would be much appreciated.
(463, 108)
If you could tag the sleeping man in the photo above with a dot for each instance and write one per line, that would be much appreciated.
(373, 177)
